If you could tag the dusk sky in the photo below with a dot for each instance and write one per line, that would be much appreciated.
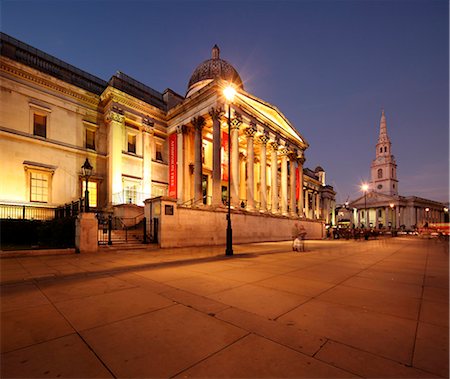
(329, 66)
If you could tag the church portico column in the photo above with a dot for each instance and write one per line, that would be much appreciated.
(199, 123)
(263, 171)
(216, 114)
(235, 161)
(307, 204)
(242, 181)
(250, 132)
(284, 182)
(292, 181)
(313, 205)
(116, 129)
(274, 175)
(300, 161)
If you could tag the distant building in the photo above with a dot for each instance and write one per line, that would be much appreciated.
(382, 206)
(144, 144)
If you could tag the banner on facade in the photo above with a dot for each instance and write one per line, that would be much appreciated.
(173, 165)
(224, 155)
(297, 184)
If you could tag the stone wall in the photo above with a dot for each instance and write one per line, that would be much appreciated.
(197, 227)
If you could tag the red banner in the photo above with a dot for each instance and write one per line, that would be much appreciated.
(297, 184)
(224, 156)
(173, 165)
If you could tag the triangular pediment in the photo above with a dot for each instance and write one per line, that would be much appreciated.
(270, 115)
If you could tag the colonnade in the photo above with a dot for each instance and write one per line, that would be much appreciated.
(276, 192)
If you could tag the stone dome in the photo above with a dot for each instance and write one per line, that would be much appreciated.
(212, 69)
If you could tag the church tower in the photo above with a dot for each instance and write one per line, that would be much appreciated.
(384, 168)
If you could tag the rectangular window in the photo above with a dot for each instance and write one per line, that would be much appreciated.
(38, 187)
(159, 156)
(39, 125)
(132, 143)
(92, 188)
(90, 139)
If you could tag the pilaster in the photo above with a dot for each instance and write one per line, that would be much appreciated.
(250, 132)
(198, 123)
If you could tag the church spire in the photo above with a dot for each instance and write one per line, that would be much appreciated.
(215, 52)
(383, 137)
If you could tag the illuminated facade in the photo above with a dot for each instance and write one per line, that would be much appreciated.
(382, 206)
(144, 144)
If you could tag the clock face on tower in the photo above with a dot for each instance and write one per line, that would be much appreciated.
(380, 186)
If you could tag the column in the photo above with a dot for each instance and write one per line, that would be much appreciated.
(284, 182)
(147, 134)
(307, 204)
(180, 164)
(313, 205)
(235, 162)
(242, 182)
(292, 180)
(263, 171)
(386, 217)
(115, 140)
(250, 132)
(216, 114)
(317, 194)
(199, 123)
(274, 176)
(300, 161)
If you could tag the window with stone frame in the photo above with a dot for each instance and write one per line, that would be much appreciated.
(159, 152)
(90, 139)
(131, 143)
(39, 186)
(40, 125)
(93, 192)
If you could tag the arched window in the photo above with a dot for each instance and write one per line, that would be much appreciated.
(380, 173)
(385, 149)
(381, 149)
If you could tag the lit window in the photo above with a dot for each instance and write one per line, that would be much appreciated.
(132, 143)
(130, 194)
(92, 188)
(39, 187)
(159, 156)
(90, 139)
(39, 125)
(385, 149)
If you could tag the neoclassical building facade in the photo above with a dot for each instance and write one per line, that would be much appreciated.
(145, 144)
(381, 206)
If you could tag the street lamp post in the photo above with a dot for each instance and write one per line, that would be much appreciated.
(427, 210)
(229, 93)
(364, 188)
(86, 169)
(392, 205)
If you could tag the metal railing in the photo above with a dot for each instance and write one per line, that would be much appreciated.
(26, 212)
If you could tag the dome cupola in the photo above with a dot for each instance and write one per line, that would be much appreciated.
(212, 69)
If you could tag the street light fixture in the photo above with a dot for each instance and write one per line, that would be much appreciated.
(364, 188)
(427, 210)
(392, 205)
(86, 169)
(229, 93)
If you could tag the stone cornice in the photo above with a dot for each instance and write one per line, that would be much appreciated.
(44, 80)
(112, 94)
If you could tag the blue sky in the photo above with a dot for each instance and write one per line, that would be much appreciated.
(329, 66)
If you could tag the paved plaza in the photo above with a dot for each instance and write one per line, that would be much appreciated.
(375, 308)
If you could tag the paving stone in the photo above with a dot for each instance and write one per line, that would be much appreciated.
(384, 302)
(365, 364)
(388, 336)
(166, 274)
(265, 302)
(88, 312)
(394, 277)
(65, 357)
(433, 312)
(256, 357)
(436, 294)
(200, 303)
(296, 284)
(140, 281)
(19, 296)
(245, 275)
(294, 338)
(431, 351)
(61, 290)
(326, 274)
(31, 325)
(161, 343)
(402, 289)
(202, 284)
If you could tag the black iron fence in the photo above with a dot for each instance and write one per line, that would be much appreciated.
(26, 212)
